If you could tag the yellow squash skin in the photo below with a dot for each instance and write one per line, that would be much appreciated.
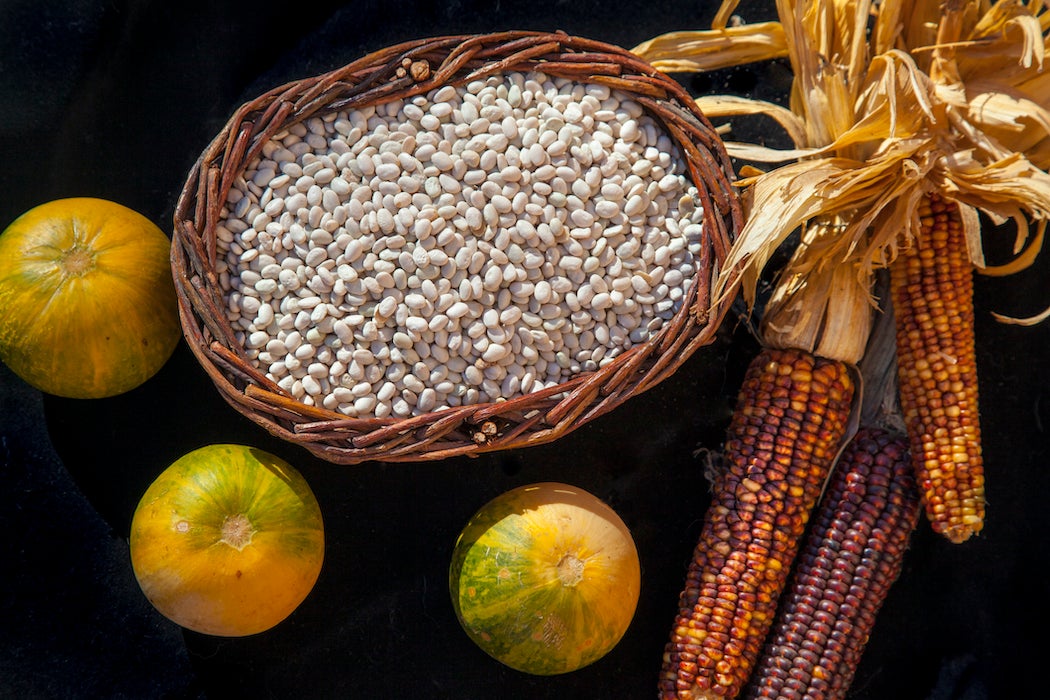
(545, 578)
(87, 302)
(236, 582)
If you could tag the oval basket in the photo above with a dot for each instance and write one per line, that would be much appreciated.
(404, 71)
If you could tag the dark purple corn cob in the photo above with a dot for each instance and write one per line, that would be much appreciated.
(850, 557)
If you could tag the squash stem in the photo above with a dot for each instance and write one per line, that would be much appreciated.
(570, 570)
(77, 261)
(237, 531)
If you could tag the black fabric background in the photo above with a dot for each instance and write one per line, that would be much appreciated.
(117, 99)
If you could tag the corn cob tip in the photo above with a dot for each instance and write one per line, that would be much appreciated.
(957, 534)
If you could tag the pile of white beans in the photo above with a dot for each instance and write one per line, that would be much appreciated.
(468, 245)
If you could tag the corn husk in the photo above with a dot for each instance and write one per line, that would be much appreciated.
(951, 98)
(694, 52)
(827, 311)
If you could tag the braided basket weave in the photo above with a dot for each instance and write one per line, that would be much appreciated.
(404, 71)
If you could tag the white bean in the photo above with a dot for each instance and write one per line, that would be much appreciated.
(379, 254)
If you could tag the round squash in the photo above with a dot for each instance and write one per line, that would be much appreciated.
(88, 300)
(545, 578)
(228, 541)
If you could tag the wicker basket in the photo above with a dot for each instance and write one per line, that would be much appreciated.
(404, 71)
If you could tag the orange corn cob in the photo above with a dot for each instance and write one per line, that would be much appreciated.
(932, 288)
(852, 554)
(792, 415)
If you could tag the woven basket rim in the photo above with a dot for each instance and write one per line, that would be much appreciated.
(399, 71)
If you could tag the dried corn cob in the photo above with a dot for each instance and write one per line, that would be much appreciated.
(932, 288)
(852, 554)
(792, 415)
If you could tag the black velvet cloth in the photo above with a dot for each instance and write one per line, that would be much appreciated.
(117, 99)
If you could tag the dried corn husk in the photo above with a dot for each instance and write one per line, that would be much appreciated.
(950, 98)
(693, 52)
(826, 311)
